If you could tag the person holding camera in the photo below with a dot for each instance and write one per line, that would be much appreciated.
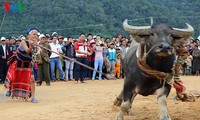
(98, 60)
(70, 53)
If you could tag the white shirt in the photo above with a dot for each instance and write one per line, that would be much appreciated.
(56, 48)
(4, 49)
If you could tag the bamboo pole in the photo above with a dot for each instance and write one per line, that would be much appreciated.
(69, 59)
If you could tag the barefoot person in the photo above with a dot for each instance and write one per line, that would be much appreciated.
(20, 78)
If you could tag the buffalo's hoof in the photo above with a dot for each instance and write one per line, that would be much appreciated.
(117, 102)
(129, 112)
(165, 118)
(118, 118)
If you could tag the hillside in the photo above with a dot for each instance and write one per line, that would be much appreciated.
(103, 17)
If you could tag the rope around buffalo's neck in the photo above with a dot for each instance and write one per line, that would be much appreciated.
(152, 73)
(167, 78)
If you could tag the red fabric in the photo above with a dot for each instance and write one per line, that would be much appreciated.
(19, 80)
(91, 57)
(11, 73)
(178, 85)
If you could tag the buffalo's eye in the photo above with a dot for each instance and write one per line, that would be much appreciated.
(176, 37)
(152, 34)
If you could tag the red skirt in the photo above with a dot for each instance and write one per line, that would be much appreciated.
(18, 80)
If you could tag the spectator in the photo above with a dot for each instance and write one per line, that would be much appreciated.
(112, 58)
(196, 60)
(89, 37)
(81, 49)
(18, 41)
(48, 38)
(70, 53)
(107, 40)
(123, 53)
(7, 41)
(102, 40)
(128, 45)
(55, 60)
(106, 62)
(98, 39)
(12, 45)
(43, 62)
(98, 61)
(117, 66)
(54, 34)
(117, 42)
(90, 62)
(188, 69)
(60, 42)
(91, 57)
(5, 53)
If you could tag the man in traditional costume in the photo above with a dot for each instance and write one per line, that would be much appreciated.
(20, 78)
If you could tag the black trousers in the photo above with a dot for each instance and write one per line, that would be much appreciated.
(91, 64)
(80, 70)
(3, 71)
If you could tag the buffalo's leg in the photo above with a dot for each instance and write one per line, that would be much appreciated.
(118, 100)
(128, 96)
(162, 102)
(129, 111)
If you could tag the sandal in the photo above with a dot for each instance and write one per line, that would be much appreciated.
(8, 93)
(34, 100)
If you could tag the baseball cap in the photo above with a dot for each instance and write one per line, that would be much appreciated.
(111, 43)
(60, 37)
(54, 33)
(42, 36)
(65, 39)
(94, 37)
(3, 38)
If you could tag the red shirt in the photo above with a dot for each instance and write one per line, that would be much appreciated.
(81, 46)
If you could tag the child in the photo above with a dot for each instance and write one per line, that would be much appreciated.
(117, 66)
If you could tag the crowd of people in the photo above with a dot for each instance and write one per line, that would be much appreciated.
(53, 57)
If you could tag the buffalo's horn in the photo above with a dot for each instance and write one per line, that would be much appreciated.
(136, 30)
(177, 32)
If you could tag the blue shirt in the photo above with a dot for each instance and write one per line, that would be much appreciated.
(112, 54)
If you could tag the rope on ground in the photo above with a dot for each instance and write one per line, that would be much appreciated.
(188, 97)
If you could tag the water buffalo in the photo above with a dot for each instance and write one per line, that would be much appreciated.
(146, 61)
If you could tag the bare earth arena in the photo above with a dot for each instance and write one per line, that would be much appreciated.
(93, 100)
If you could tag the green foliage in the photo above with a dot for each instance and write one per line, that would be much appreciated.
(102, 17)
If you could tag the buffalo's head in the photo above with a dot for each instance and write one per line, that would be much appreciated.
(162, 38)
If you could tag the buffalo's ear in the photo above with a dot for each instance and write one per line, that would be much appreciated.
(180, 41)
(180, 36)
(140, 38)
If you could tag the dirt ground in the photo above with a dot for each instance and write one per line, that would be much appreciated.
(93, 101)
